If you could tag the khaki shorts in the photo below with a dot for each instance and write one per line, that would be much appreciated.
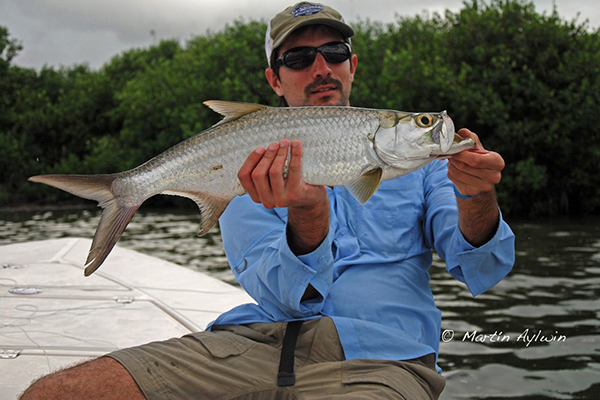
(241, 362)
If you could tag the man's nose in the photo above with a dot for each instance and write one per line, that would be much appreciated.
(320, 67)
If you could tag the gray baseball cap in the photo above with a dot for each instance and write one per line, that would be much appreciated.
(298, 15)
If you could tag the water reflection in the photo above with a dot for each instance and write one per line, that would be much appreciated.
(554, 291)
(169, 235)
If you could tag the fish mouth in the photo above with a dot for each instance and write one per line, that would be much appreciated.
(443, 132)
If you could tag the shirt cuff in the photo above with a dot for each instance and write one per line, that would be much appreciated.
(483, 267)
(314, 268)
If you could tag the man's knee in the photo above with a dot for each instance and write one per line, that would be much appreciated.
(102, 378)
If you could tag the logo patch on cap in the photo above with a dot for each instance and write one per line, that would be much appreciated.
(306, 9)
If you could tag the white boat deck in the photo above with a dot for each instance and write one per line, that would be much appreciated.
(51, 316)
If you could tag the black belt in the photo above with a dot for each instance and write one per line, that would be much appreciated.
(286, 376)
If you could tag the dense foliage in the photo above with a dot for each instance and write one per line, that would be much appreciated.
(527, 83)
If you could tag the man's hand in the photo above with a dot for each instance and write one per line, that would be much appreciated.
(476, 170)
(308, 206)
(263, 178)
(474, 173)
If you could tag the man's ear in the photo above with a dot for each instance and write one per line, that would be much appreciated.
(353, 65)
(274, 81)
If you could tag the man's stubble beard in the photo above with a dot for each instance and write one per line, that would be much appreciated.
(344, 99)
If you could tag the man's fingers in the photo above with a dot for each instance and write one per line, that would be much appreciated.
(465, 133)
(260, 176)
(295, 165)
(276, 177)
(245, 173)
(477, 163)
(475, 170)
(491, 175)
(463, 175)
(466, 181)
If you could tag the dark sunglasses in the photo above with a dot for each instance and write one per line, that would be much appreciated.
(302, 57)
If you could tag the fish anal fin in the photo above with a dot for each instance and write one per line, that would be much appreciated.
(211, 207)
(233, 110)
(363, 187)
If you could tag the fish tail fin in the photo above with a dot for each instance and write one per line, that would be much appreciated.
(113, 222)
(115, 216)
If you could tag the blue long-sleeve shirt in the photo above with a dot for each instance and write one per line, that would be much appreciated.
(372, 268)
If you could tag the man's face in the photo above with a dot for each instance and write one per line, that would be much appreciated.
(321, 83)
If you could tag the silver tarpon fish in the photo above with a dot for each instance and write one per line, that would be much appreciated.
(342, 146)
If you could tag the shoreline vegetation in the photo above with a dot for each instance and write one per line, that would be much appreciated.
(527, 83)
(47, 207)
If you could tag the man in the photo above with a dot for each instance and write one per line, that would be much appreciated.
(355, 275)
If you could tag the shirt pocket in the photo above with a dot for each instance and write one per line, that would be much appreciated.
(390, 221)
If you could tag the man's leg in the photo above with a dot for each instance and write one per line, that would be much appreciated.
(103, 378)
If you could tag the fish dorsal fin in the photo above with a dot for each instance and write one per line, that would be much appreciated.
(364, 186)
(232, 110)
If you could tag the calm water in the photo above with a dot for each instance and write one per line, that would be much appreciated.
(534, 336)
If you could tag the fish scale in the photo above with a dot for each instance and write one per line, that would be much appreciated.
(342, 146)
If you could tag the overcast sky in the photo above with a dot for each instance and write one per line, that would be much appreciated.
(66, 32)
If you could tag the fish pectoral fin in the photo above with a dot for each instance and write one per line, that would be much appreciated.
(232, 110)
(363, 188)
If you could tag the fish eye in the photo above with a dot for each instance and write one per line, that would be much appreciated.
(424, 120)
